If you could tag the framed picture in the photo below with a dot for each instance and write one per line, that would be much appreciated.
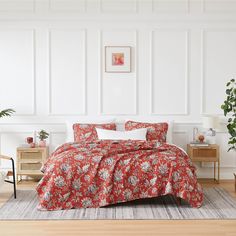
(117, 59)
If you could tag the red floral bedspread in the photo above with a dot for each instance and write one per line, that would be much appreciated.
(95, 174)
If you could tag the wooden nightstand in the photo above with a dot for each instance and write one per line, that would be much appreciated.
(206, 154)
(30, 160)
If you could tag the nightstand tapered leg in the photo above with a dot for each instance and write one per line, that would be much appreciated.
(218, 171)
(214, 171)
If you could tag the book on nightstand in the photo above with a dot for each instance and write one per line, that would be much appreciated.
(199, 144)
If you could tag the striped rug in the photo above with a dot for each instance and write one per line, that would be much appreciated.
(218, 204)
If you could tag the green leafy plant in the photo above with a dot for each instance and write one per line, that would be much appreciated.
(6, 112)
(229, 108)
(42, 135)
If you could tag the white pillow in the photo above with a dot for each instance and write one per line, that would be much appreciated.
(137, 134)
(69, 126)
(120, 125)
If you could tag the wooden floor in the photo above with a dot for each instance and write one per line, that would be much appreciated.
(117, 227)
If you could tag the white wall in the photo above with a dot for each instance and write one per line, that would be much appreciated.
(52, 65)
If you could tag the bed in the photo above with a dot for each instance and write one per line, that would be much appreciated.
(91, 173)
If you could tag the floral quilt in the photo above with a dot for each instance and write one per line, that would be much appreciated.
(100, 173)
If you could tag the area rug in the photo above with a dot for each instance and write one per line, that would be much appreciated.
(218, 204)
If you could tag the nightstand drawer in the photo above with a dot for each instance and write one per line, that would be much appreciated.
(29, 166)
(30, 155)
(206, 152)
(30, 161)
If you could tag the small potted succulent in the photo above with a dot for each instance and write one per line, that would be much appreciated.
(42, 135)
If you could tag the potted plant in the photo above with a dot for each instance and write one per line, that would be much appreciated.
(6, 112)
(229, 108)
(42, 135)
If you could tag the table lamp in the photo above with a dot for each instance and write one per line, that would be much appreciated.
(211, 123)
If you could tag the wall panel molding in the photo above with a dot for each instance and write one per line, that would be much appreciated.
(12, 6)
(171, 6)
(186, 77)
(102, 61)
(67, 6)
(84, 112)
(218, 6)
(52, 135)
(202, 72)
(203, 94)
(107, 6)
(33, 73)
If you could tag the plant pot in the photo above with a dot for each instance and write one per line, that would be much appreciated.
(42, 143)
(32, 145)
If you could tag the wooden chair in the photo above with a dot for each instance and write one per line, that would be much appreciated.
(11, 173)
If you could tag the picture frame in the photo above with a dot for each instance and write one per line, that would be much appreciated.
(117, 59)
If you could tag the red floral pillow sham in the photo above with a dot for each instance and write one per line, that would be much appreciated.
(156, 131)
(87, 132)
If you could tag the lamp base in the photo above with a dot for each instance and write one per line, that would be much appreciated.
(210, 139)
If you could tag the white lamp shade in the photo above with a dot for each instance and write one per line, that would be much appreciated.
(210, 122)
